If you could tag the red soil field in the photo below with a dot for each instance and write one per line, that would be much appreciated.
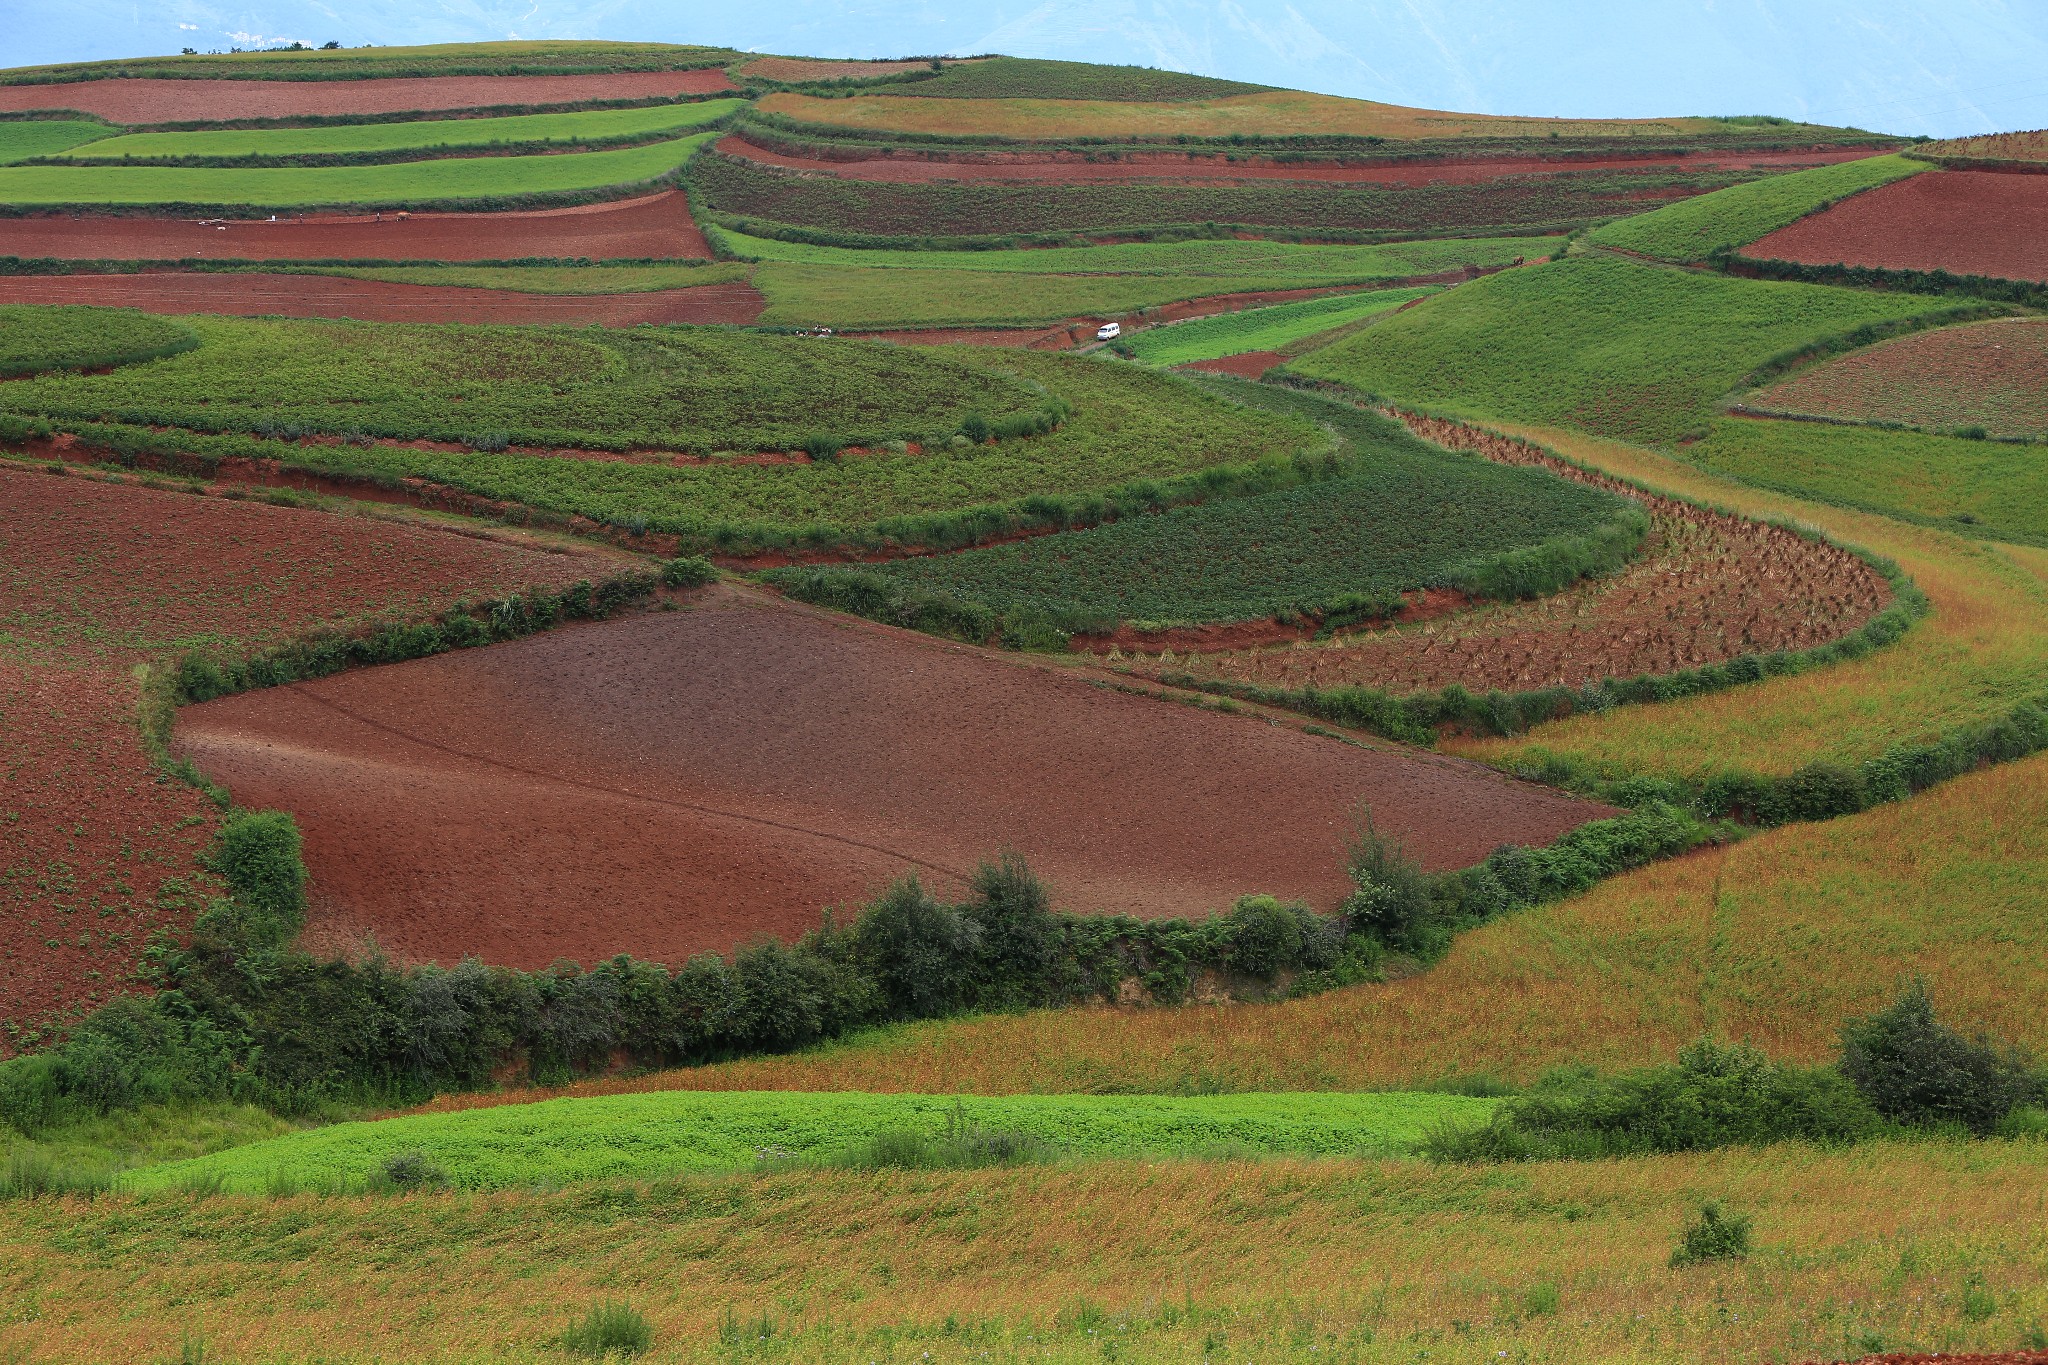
(1989, 374)
(97, 850)
(1191, 168)
(674, 782)
(1245, 364)
(135, 101)
(1964, 222)
(654, 227)
(330, 296)
(1706, 588)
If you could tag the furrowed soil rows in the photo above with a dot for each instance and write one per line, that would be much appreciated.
(97, 849)
(1964, 222)
(1708, 588)
(1993, 375)
(679, 782)
(326, 296)
(654, 227)
(132, 101)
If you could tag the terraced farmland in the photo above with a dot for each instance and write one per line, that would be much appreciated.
(1265, 329)
(1990, 377)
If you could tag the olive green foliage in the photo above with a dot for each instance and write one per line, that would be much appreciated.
(1695, 229)
(1263, 329)
(1914, 1068)
(36, 339)
(1003, 78)
(610, 1329)
(1716, 1235)
(516, 58)
(258, 852)
(1604, 345)
(689, 571)
(26, 138)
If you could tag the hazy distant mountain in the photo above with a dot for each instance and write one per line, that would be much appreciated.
(1910, 66)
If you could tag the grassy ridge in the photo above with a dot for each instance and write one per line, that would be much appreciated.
(589, 126)
(647, 1136)
(1264, 329)
(404, 183)
(518, 57)
(45, 137)
(1730, 218)
(1023, 77)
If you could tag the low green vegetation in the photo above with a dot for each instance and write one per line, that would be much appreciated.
(409, 184)
(25, 138)
(332, 140)
(1307, 262)
(1605, 345)
(528, 57)
(1264, 329)
(1389, 513)
(665, 1133)
(37, 340)
(546, 279)
(1694, 229)
(1002, 78)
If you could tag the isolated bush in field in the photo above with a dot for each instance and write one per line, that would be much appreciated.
(1019, 948)
(1392, 900)
(1267, 938)
(920, 950)
(961, 1145)
(1716, 1235)
(258, 852)
(409, 1171)
(976, 428)
(1916, 1069)
(824, 449)
(610, 1329)
(690, 571)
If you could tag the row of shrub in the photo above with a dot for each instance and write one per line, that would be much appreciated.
(2026, 293)
(1899, 1070)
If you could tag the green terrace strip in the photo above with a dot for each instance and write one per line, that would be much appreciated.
(1309, 263)
(517, 58)
(406, 185)
(542, 279)
(649, 1136)
(1696, 229)
(424, 137)
(36, 340)
(21, 140)
(1001, 78)
(1264, 329)
(1607, 345)
(1391, 513)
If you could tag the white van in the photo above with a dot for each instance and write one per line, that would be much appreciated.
(1109, 331)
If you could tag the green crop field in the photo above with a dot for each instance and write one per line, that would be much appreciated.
(433, 59)
(546, 279)
(1726, 219)
(1003, 78)
(1397, 514)
(600, 125)
(1264, 329)
(641, 1137)
(410, 183)
(1609, 346)
(34, 340)
(20, 140)
(1309, 263)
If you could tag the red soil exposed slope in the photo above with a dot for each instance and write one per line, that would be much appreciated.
(97, 849)
(671, 783)
(1964, 222)
(329, 296)
(1193, 168)
(160, 101)
(1990, 374)
(655, 227)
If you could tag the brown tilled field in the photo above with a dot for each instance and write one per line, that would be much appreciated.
(671, 783)
(133, 101)
(1964, 222)
(655, 227)
(96, 579)
(326, 296)
(1991, 374)
(1707, 588)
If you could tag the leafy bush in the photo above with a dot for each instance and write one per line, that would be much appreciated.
(610, 1329)
(1716, 1235)
(405, 1171)
(689, 571)
(258, 852)
(1913, 1068)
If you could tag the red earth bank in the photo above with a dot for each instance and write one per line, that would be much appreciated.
(676, 782)
(1964, 222)
(1245, 364)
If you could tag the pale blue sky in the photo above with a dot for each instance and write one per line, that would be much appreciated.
(1942, 67)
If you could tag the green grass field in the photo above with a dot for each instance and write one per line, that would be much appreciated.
(404, 184)
(1399, 514)
(649, 1136)
(20, 140)
(1264, 329)
(1311, 263)
(362, 63)
(427, 135)
(1695, 229)
(37, 339)
(545, 279)
(1605, 345)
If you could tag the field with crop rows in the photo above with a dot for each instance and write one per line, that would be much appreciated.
(1265, 329)
(1608, 346)
(1990, 378)
(45, 137)
(2031, 146)
(1961, 222)
(1697, 228)
(371, 63)
(403, 185)
(433, 135)
(39, 340)
(549, 279)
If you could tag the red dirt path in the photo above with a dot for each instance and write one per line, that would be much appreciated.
(330, 296)
(675, 782)
(1964, 222)
(1193, 168)
(654, 227)
(163, 101)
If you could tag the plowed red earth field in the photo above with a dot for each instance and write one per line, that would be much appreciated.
(675, 782)
(1964, 222)
(655, 227)
(1991, 374)
(1245, 364)
(97, 850)
(1189, 168)
(328, 296)
(157, 101)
